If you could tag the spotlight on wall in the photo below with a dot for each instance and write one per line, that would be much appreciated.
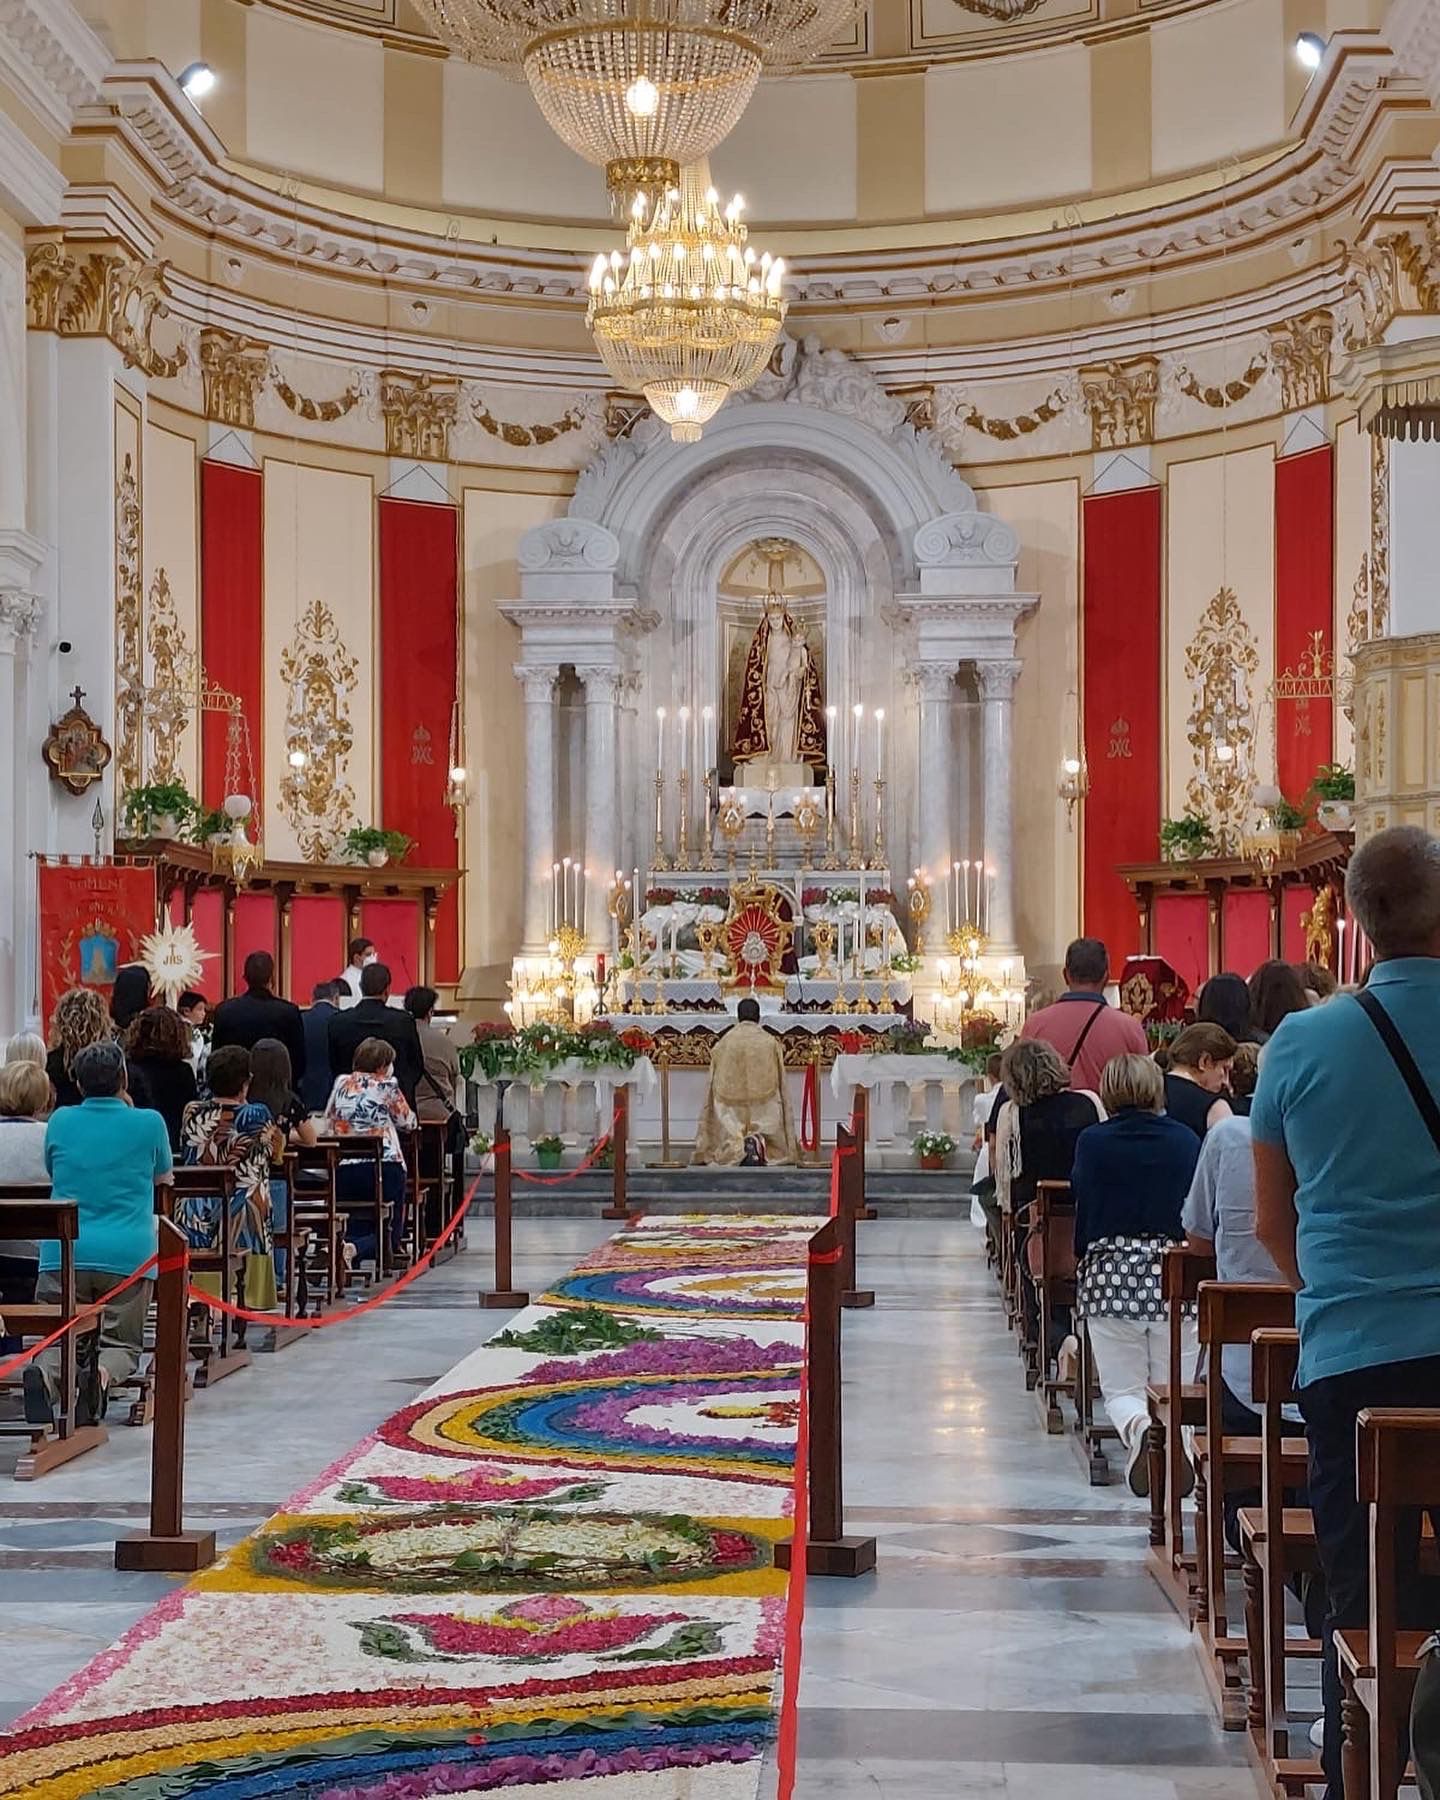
(197, 80)
(1309, 49)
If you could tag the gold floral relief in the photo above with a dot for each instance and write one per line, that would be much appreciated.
(418, 411)
(1120, 398)
(319, 674)
(233, 369)
(1379, 536)
(170, 698)
(1221, 661)
(1300, 354)
(129, 606)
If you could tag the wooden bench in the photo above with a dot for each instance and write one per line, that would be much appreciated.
(365, 1148)
(216, 1360)
(1181, 1272)
(27, 1211)
(1397, 1472)
(1052, 1232)
(315, 1207)
(1278, 1543)
(445, 1168)
(1229, 1312)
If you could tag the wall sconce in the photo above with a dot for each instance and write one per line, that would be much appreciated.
(1074, 784)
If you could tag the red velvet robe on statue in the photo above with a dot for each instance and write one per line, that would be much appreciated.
(751, 737)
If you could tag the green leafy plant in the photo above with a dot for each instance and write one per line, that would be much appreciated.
(906, 964)
(145, 806)
(1187, 836)
(571, 1333)
(361, 840)
(910, 1038)
(207, 823)
(481, 1144)
(934, 1143)
(496, 1050)
(1333, 781)
(1285, 816)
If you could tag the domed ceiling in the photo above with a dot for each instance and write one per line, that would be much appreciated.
(888, 32)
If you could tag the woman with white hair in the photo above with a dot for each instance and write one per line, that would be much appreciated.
(1130, 1179)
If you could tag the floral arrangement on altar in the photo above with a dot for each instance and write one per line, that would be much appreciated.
(910, 1038)
(498, 1050)
(660, 896)
(979, 1040)
(712, 896)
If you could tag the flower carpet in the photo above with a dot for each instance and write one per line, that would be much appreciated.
(552, 1574)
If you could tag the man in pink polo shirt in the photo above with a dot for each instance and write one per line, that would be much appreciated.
(1082, 1025)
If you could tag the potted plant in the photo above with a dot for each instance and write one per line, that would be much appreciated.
(933, 1148)
(160, 809)
(548, 1151)
(371, 844)
(1185, 838)
(1334, 788)
(210, 826)
(483, 1148)
(1285, 816)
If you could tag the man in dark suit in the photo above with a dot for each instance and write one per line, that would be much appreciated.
(324, 1004)
(374, 1018)
(260, 1013)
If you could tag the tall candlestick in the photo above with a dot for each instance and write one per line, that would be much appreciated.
(554, 899)
(682, 727)
(965, 910)
(858, 712)
(707, 721)
(565, 890)
(879, 727)
(989, 897)
(659, 740)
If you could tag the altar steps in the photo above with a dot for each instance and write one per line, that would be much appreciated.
(895, 1193)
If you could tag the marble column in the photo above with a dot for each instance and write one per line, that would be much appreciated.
(997, 689)
(538, 686)
(935, 683)
(602, 841)
(20, 612)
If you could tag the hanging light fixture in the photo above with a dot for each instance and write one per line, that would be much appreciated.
(640, 87)
(686, 314)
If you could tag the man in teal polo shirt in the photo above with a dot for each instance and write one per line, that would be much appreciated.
(108, 1157)
(1346, 1133)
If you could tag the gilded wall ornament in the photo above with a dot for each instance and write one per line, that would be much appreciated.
(1120, 399)
(965, 416)
(1228, 393)
(129, 639)
(75, 752)
(319, 673)
(101, 292)
(1379, 536)
(1369, 294)
(170, 698)
(418, 411)
(233, 371)
(321, 412)
(1221, 660)
(1300, 356)
(523, 436)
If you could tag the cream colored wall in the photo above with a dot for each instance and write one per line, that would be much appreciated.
(793, 154)
(1046, 516)
(1007, 131)
(487, 120)
(494, 517)
(315, 100)
(1217, 84)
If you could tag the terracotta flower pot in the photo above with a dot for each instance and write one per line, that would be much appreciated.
(932, 1163)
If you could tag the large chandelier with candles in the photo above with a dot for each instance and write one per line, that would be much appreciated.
(640, 87)
(686, 314)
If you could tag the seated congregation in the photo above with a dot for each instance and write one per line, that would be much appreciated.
(1232, 1244)
(303, 1155)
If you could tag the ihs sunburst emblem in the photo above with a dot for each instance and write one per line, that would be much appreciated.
(173, 960)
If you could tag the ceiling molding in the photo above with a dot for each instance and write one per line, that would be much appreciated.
(51, 59)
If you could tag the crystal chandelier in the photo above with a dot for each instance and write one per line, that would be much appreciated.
(640, 87)
(686, 315)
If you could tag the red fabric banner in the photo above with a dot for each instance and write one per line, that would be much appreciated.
(1121, 679)
(393, 926)
(1244, 930)
(1304, 605)
(1182, 936)
(92, 917)
(317, 942)
(1295, 901)
(207, 920)
(254, 929)
(418, 637)
(231, 629)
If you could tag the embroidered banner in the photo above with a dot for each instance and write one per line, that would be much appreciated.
(1304, 613)
(92, 918)
(418, 634)
(231, 639)
(1121, 614)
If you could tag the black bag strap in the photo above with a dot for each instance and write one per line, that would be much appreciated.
(1080, 1041)
(1400, 1055)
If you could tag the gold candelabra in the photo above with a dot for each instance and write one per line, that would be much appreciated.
(823, 935)
(807, 823)
(732, 825)
(918, 906)
(879, 822)
(706, 858)
(682, 847)
(658, 858)
(857, 848)
(707, 934)
(831, 860)
(967, 942)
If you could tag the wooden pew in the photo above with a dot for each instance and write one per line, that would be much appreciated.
(1052, 1231)
(1093, 1431)
(446, 1173)
(1278, 1542)
(360, 1147)
(27, 1211)
(1397, 1471)
(314, 1205)
(1181, 1272)
(214, 1361)
(1229, 1312)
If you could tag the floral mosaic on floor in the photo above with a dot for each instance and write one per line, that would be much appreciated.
(556, 1567)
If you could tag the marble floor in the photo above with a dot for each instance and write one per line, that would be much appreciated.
(1011, 1642)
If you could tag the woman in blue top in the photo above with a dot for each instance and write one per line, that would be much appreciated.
(1129, 1180)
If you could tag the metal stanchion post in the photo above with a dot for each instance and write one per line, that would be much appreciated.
(167, 1546)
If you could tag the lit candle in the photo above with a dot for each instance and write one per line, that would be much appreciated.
(879, 726)
(859, 713)
(554, 899)
(965, 866)
(659, 740)
(708, 719)
(583, 888)
(682, 721)
(1340, 928)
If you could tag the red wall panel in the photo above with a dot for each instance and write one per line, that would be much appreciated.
(1121, 706)
(1304, 605)
(317, 942)
(231, 630)
(1182, 935)
(207, 917)
(394, 926)
(255, 929)
(1244, 930)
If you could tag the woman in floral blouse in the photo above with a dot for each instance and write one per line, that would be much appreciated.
(211, 1137)
(368, 1103)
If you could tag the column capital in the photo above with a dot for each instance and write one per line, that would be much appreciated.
(997, 679)
(603, 682)
(20, 613)
(537, 680)
(934, 680)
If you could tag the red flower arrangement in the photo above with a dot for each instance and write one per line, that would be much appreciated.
(490, 1029)
(637, 1040)
(659, 896)
(711, 896)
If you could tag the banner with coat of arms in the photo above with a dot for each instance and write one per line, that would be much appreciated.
(94, 917)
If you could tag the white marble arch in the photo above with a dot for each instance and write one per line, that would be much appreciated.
(918, 579)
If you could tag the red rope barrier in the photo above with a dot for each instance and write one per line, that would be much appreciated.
(85, 1312)
(810, 1109)
(288, 1322)
(581, 1168)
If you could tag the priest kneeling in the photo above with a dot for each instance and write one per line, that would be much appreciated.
(746, 1117)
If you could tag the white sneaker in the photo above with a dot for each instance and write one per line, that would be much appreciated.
(1067, 1358)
